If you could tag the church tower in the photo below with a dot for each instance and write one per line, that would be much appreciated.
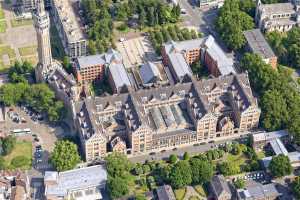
(42, 26)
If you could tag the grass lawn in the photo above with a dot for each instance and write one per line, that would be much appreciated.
(200, 190)
(7, 50)
(22, 22)
(2, 26)
(237, 159)
(180, 193)
(22, 148)
(26, 51)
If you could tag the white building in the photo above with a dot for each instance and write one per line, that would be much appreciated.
(78, 184)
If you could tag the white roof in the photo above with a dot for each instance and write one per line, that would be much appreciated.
(269, 135)
(76, 179)
(278, 147)
(119, 75)
(225, 63)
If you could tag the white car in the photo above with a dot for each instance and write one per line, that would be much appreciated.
(122, 39)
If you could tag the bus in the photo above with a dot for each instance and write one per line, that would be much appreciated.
(19, 132)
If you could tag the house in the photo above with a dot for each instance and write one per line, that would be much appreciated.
(220, 188)
(165, 192)
(258, 192)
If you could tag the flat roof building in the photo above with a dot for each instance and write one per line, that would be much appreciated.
(70, 28)
(77, 184)
(258, 192)
(257, 44)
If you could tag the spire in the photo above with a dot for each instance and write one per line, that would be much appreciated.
(40, 7)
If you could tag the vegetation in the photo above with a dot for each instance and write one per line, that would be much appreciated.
(280, 166)
(118, 169)
(286, 46)
(202, 170)
(239, 183)
(21, 22)
(231, 22)
(280, 101)
(38, 96)
(199, 70)
(180, 175)
(173, 159)
(296, 187)
(160, 35)
(29, 50)
(3, 26)
(180, 193)
(19, 72)
(19, 157)
(65, 155)
(8, 144)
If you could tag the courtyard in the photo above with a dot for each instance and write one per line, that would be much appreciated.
(17, 38)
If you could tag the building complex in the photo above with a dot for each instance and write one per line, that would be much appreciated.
(70, 28)
(179, 55)
(149, 120)
(279, 16)
(207, 4)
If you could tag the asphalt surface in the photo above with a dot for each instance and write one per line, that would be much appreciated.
(193, 150)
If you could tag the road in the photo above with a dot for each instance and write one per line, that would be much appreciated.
(193, 150)
(202, 20)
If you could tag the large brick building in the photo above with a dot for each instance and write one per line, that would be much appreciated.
(178, 56)
(163, 118)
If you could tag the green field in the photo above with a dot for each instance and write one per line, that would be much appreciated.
(26, 51)
(22, 22)
(7, 50)
(22, 148)
(2, 16)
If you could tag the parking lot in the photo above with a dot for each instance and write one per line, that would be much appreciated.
(136, 50)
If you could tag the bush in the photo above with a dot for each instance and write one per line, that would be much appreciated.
(173, 159)
(20, 161)
(123, 27)
(146, 168)
(8, 144)
(239, 183)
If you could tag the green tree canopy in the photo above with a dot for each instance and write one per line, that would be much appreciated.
(180, 174)
(202, 171)
(65, 155)
(231, 22)
(117, 187)
(280, 166)
(8, 144)
(117, 164)
(239, 183)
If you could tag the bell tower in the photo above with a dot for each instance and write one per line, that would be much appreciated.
(42, 26)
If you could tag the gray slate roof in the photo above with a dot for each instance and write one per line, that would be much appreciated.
(165, 192)
(258, 191)
(220, 185)
(258, 43)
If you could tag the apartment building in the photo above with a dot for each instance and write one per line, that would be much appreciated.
(162, 118)
(279, 16)
(178, 56)
(256, 43)
(77, 184)
(89, 68)
(71, 30)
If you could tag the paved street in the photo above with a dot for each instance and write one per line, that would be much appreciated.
(195, 149)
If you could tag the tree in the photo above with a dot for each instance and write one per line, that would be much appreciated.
(173, 159)
(8, 144)
(186, 156)
(117, 187)
(65, 155)
(239, 183)
(228, 168)
(231, 22)
(117, 164)
(140, 197)
(180, 175)
(280, 166)
(18, 72)
(274, 110)
(296, 187)
(202, 171)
